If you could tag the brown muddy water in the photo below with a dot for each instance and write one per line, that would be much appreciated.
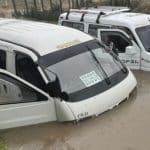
(126, 127)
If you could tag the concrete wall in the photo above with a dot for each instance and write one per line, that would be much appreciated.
(6, 7)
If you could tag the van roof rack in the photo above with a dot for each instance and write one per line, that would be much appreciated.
(100, 11)
(109, 8)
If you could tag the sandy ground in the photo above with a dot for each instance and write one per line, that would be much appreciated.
(123, 128)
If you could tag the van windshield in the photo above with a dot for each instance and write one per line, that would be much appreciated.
(81, 74)
(144, 35)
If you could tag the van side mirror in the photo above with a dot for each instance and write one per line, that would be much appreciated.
(54, 88)
(131, 50)
(64, 96)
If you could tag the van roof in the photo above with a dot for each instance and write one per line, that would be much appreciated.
(44, 38)
(116, 17)
(128, 19)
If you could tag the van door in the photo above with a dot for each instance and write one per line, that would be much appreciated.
(22, 103)
(122, 45)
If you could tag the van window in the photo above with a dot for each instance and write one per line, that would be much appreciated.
(27, 69)
(127, 30)
(144, 35)
(2, 59)
(78, 26)
(82, 69)
(120, 42)
(13, 91)
(93, 29)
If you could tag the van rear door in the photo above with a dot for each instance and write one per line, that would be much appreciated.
(121, 44)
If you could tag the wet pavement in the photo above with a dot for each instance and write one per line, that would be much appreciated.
(126, 127)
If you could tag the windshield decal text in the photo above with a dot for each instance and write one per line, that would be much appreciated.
(90, 79)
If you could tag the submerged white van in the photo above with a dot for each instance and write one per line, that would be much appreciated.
(53, 73)
(128, 33)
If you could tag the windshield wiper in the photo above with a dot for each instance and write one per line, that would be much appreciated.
(99, 64)
(124, 69)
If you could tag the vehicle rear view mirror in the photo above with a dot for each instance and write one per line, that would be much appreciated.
(131, 50)
(54, 88)
(64, 96)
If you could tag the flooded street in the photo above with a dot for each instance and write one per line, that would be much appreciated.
(126, 127)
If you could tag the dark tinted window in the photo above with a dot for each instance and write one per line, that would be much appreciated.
(2, 59)
(74, 25)
(127, 30)
(67, 24)
(144, 35)
(13, 91)
(120, 42)
(27, 69)
(93, 29)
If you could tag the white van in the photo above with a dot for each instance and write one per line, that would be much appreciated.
(128, 33)
(53, 73)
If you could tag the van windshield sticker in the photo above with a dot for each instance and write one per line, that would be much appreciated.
(90, 79)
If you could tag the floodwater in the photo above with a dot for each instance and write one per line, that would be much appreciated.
(126, 127)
